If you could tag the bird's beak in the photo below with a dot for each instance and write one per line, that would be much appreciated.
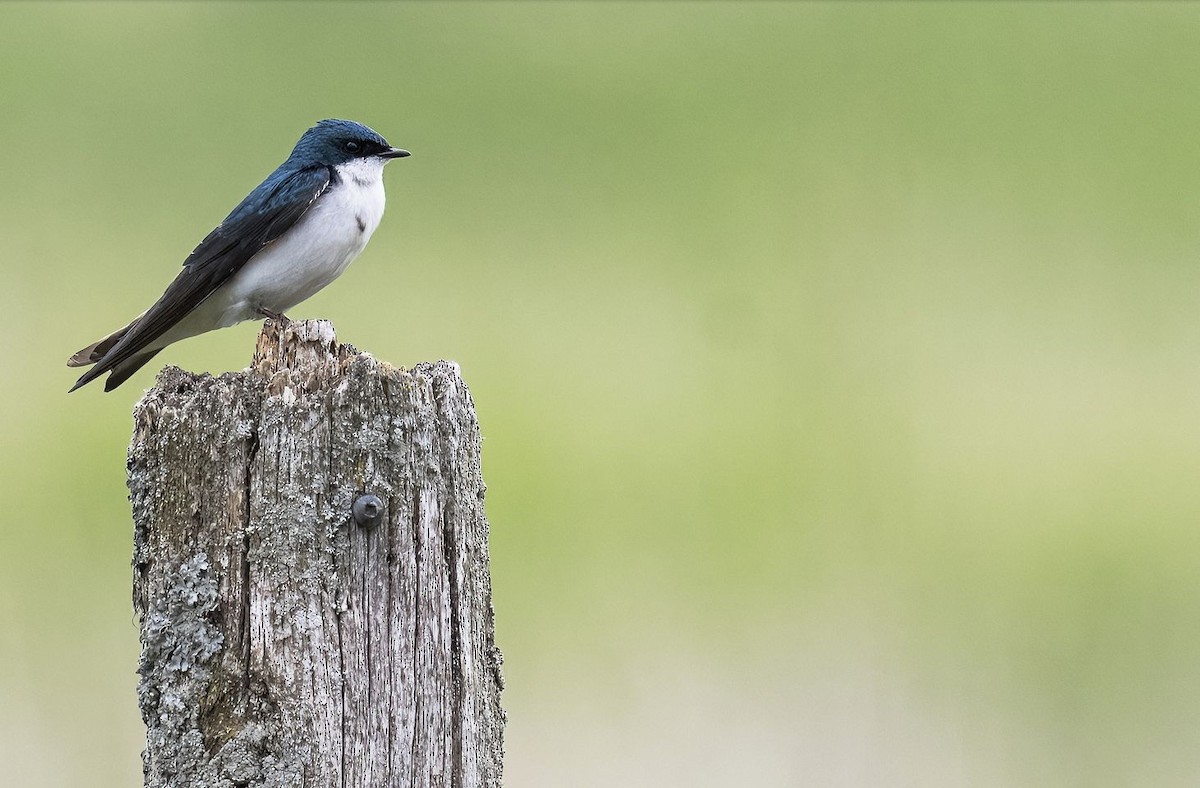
(394, 153)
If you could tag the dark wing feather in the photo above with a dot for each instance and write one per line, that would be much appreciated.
(267, 213)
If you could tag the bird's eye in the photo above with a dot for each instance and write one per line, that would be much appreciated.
(350, 146)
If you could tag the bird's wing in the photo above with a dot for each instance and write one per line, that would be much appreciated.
(267, 213)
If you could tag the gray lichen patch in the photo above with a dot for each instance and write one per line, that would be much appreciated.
(179, 641)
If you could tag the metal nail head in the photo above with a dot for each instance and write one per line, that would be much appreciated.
(367, 510)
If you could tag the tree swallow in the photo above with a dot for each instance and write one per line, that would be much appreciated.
(290, 237)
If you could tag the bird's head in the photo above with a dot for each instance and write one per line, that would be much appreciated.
(335, 142)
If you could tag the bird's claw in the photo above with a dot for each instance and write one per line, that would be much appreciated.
(278, 317)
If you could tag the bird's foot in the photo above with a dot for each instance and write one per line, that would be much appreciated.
(278, 317)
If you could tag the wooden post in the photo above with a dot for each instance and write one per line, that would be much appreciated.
(283, 642)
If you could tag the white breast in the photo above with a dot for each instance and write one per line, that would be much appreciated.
(310, 255)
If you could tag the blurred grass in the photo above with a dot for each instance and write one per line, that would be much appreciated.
(836, 363)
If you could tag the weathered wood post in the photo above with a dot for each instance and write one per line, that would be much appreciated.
(290, 637)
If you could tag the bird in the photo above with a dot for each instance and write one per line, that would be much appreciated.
(291, 236)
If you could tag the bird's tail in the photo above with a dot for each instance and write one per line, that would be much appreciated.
(97, 350)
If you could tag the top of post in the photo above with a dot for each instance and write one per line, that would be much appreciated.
(305, 347)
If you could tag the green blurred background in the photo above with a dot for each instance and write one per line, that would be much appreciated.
(838, 364)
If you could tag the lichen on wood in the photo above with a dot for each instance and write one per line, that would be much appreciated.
(282, 643)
